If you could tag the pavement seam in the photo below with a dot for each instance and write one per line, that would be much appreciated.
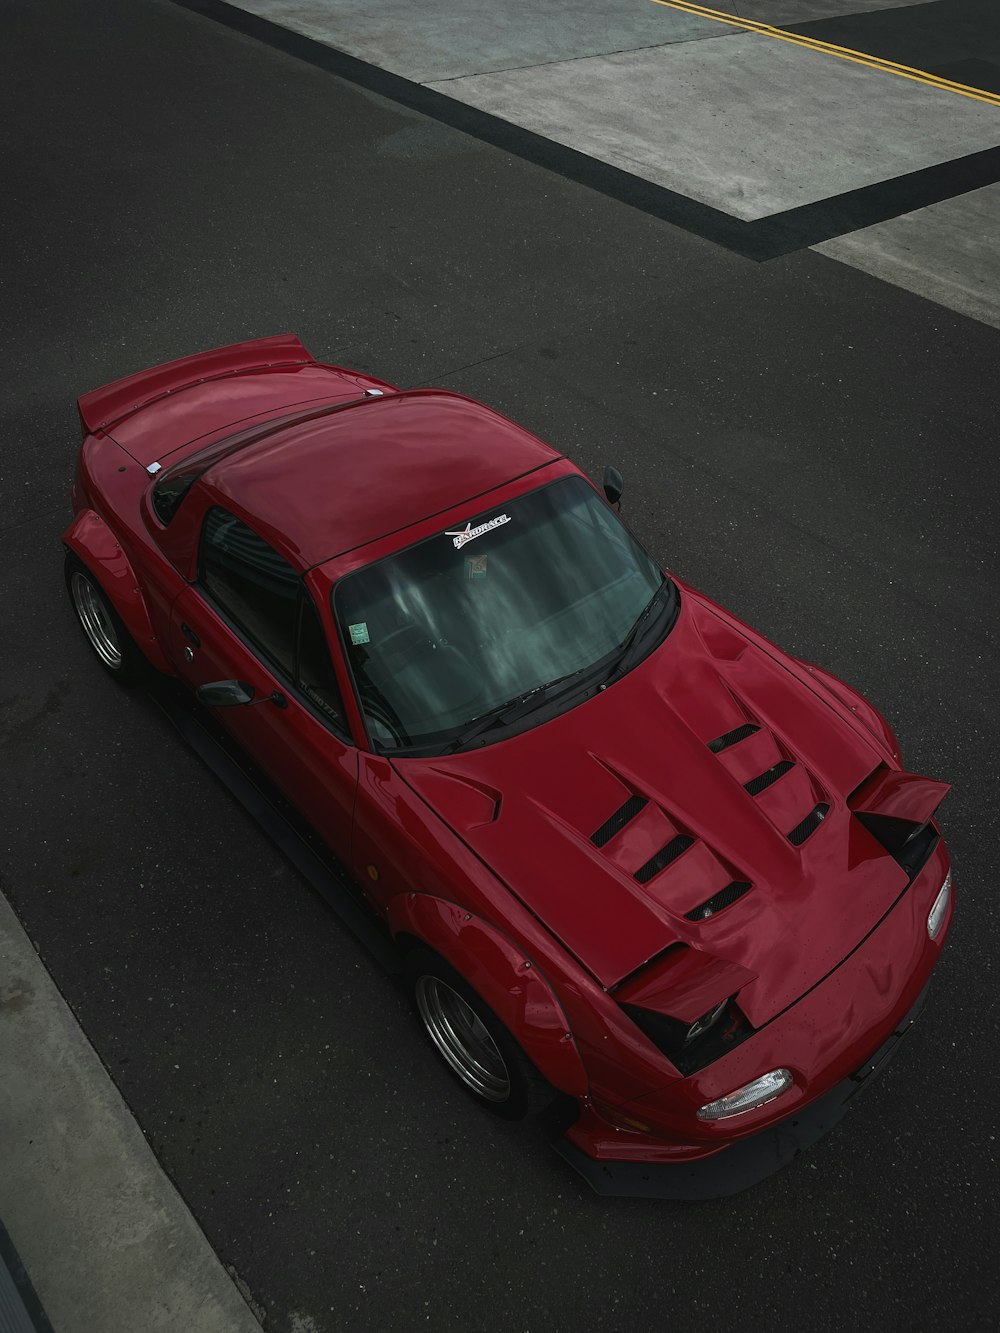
(32, 518)
(457, 370)
(570, 60)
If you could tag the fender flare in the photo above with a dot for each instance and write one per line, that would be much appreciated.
(503, 975)
(96, 546)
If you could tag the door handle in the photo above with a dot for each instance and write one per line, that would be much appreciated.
(189, 633)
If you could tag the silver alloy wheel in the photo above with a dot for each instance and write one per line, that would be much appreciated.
(97, 623)
(463, 1039)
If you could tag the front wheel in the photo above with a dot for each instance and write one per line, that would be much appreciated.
(110, 641)
(472, 1041)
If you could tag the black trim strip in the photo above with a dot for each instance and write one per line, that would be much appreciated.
(663, 858)
(763, 239)
(190, 469)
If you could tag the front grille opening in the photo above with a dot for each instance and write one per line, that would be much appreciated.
(808, 825)
(618, 820)
(732, 737)
(764, 780)
(663, 857)
(724, 898)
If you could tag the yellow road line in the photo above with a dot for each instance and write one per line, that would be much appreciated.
(841, 52)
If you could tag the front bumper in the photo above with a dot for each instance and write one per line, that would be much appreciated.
(746, 1162)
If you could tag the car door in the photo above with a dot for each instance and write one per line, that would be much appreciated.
(250, 617)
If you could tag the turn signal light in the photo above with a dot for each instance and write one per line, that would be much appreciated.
(750, 1096)
(936, 916)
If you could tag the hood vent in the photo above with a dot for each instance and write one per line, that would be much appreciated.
(724, 898)
(663, 857)
(618, 820)
(809, 825)
(763, 780)
(732, 737)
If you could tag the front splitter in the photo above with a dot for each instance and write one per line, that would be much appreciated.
(744, 1163)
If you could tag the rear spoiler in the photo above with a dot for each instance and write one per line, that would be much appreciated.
(102, 407)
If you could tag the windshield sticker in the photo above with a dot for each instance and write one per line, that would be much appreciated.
(468, 533)
(475, 566)
(359, 632)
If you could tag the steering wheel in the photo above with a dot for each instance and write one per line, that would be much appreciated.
(400, 640)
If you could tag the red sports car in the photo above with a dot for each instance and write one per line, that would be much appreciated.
(628, 851)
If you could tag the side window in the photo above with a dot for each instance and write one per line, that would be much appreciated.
(251, 582)
(314, 670)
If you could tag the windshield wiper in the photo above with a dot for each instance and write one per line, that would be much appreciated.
(628, 651)
(511, 711)
(522, 704)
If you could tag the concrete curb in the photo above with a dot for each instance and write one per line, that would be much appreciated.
(107, 1241)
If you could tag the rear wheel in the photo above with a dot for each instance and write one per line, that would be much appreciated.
(109, 640)
(471, 1040)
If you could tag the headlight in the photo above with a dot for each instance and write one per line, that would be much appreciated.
(705, 1022)
(750, 1096)
(935, 917)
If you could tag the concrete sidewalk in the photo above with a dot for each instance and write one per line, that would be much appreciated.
(747, 123)
(107, 1242)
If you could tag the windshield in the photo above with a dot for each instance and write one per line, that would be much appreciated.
(540, 591)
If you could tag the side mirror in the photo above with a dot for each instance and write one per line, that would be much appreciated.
(225, 693)
(613, 485)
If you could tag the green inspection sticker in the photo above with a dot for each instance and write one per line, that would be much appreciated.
(359, 632)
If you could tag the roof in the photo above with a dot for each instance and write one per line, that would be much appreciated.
(339, 482)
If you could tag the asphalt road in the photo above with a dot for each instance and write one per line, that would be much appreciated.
(812, 447)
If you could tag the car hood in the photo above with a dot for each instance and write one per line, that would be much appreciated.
(678, 786)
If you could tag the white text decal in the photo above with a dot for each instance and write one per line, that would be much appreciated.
(469, 532)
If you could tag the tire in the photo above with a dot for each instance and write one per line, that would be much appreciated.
(102, 626)
(471, 1041)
